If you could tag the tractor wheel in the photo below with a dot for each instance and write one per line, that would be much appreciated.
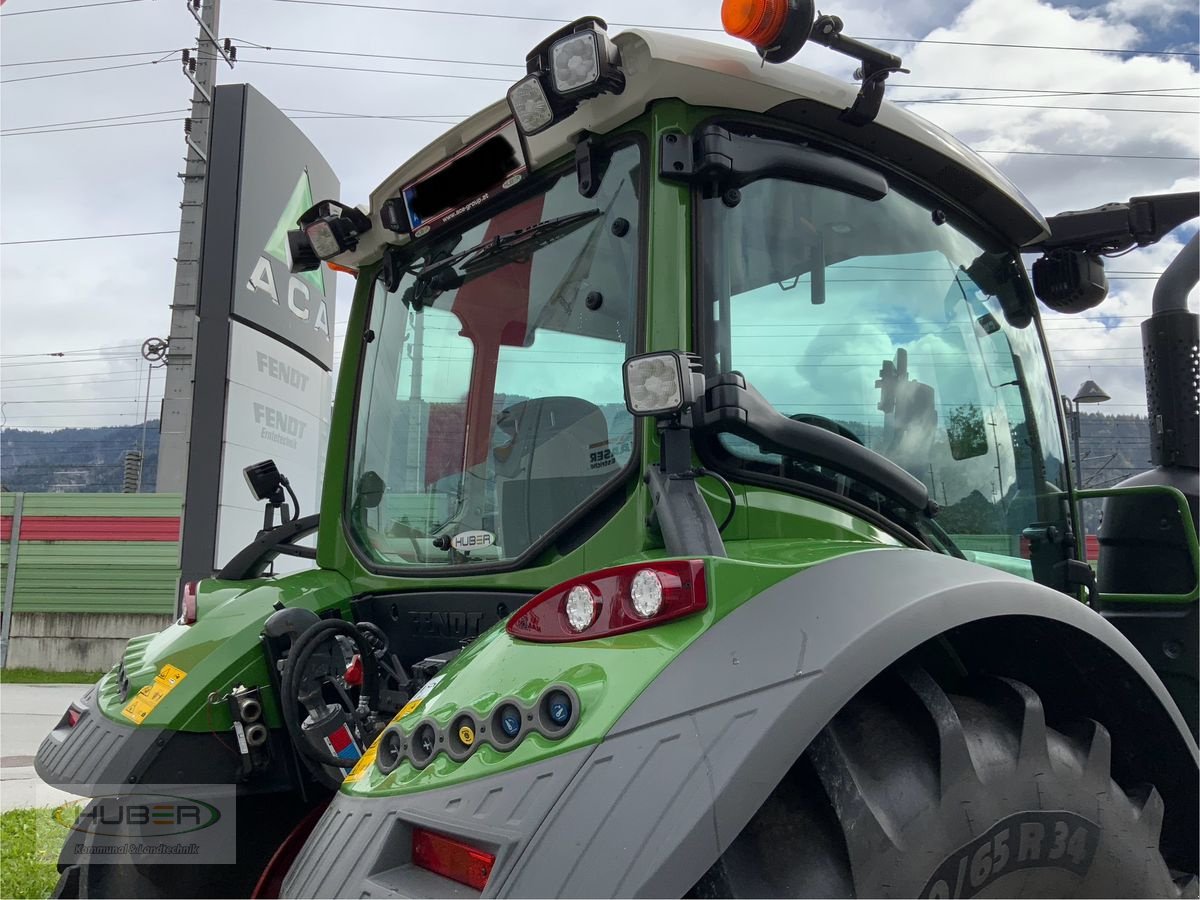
(914, 792)
(262, 823)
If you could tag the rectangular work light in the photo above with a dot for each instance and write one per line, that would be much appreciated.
(573, 64)
(332, 228)
(659, 384)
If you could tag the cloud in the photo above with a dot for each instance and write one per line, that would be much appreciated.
(124, 179)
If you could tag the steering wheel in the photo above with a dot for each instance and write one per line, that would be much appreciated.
(828, 424)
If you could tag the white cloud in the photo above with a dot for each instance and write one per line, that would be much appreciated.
(107, 293)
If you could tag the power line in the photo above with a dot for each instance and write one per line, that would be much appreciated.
(162, 112)
(78, 71)
(85, 128)
(33, 12)
(90, 237)
(268, 62)
(1174, 112)
(481, 15)
(1086, 155)
(63, 59)
(57, 353)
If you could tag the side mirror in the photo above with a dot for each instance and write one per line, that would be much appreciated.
(370, 489)
(1070, 281)
(966, 432)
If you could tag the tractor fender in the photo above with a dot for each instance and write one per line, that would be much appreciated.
(692, 759)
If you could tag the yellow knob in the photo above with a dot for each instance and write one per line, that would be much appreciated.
(466, 735)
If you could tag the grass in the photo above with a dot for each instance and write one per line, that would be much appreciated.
(30, 841)
(41, 676)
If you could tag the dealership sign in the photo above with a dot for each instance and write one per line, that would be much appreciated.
(265, 337)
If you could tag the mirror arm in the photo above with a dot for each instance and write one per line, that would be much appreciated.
(720, 160)
(732, 405)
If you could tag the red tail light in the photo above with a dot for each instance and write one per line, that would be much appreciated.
(189, 603)
(73, 716)
(451, 858)
(612, 601)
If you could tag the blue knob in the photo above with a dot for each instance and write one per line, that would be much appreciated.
(510, 722)
(559, 707)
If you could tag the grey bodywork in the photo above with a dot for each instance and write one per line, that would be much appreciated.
(650, 808)
(96, 751)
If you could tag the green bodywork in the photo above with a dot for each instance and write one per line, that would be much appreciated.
(771, 536)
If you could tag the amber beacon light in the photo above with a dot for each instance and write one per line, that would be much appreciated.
(776, 28)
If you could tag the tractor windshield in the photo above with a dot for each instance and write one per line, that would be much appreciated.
(887, 323)
(490, 403)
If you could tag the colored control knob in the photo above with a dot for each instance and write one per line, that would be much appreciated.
(558, 705)
(510, 722)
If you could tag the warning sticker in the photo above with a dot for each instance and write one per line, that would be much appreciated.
(420, 695)
(364, 762)
(153, 693)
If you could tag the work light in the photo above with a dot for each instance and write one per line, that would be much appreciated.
(264, 480)
(300, 250)
(659, 384)
(575, 63)
(333, 228)
(531, 109)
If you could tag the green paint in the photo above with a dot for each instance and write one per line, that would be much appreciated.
(608, 674)
(222, 649)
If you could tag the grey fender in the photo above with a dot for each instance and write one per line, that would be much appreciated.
(692, 759)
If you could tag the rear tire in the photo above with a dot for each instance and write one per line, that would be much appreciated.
(914, 792)
(263, 821)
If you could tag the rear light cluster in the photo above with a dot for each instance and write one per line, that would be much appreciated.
(452, 858)
(612, 601)
(188, 614)
(554, 715)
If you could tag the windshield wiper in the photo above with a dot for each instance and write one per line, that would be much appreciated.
(443, 275)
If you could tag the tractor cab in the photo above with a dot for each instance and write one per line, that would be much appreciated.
(697, 520)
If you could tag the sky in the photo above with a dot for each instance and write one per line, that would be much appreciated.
(98, 152)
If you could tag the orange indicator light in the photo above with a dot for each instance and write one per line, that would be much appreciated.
(758, 21)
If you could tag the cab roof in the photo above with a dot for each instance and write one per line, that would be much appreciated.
(661, 66)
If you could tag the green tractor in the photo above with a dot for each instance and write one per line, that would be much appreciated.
(697, 521)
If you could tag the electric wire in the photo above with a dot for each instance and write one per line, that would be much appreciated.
(65, 59)
(89, 237)
(33, 12)
(77, 71)
(341, 4)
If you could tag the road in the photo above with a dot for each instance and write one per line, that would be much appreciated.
(27, 713)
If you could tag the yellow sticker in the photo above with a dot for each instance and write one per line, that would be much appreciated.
(466, 735)
(364, 762)
(408, 707)
(171, 674)
(154, 693)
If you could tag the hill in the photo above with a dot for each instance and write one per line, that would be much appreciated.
(83, 460)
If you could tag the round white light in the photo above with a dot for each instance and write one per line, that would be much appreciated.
(646, 593)
(581, 608)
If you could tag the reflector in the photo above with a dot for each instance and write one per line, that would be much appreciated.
(188, 612)
(451, 858)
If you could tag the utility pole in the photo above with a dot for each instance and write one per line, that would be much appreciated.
(199, 67)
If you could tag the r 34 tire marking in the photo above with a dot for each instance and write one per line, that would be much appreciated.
(1052, 839)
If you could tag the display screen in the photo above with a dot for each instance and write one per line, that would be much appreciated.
(494, 162)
